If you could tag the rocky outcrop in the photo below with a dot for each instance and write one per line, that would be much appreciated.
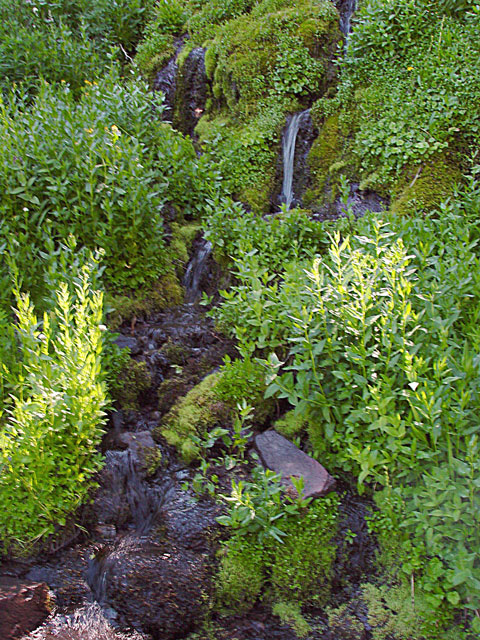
(282, 456)
(24, 605)
(191, 92)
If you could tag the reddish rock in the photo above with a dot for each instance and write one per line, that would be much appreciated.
(282, 456)
(24, 605)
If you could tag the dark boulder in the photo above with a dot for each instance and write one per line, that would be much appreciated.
(158, 588)
(24, 605)
(282, 456)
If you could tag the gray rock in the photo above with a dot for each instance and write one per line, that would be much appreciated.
(128, 342)
(282, 456)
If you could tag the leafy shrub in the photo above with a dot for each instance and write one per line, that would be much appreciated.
(97, 168)
(403, 53)
(381, 362)
(53, 423)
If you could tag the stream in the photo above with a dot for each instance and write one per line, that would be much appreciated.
(140, 565)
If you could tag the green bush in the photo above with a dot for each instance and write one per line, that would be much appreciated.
(404, 53)
(54, 419)
(100, 168)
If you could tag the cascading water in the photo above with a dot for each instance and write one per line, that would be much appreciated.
(289, 143)
(196, 270)
(346, 9)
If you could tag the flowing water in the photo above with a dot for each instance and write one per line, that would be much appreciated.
(289, 144)
(196, 271)
(346, 9)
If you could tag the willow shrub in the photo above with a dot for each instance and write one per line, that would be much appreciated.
(52, 422)
(100, 168)
(384, 362)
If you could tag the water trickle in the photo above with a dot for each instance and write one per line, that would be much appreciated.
(196, 269)
(289, 141)
(346, 9)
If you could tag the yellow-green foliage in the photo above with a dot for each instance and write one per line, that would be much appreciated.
(166, 292)
(241, 575)
(192, 417)
(424, 187)
(290, 613)
(290, 425)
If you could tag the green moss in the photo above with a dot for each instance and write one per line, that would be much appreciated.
(290, 613)
(290, 425)
(424, 187)
(244, 379)
(302, 571)
(166, 292)
(394, 612)
(192, 417)
(241, 575)
(175, 352)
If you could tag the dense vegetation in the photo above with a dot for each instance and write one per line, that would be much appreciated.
(366, 330)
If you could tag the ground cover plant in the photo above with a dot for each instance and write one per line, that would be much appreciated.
(69, 40)
(424, 57)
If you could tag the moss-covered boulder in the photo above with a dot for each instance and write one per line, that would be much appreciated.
(192, 417)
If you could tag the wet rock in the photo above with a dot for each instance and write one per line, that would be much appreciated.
(156, 588)
(191, 95)
(128, 342)
(282, 456)
(87, 623)
(141, 445)
(64, 572)
(305, 135)
(24, 605)
(190, 521)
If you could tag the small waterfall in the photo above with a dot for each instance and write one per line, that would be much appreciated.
(289, 143)
(196, 269)
(346, 8)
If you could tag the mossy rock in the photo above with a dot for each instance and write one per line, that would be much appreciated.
(192, 417)
(326, 151)
(424, 187)
(165, 293)
(133, 380)
(182, 240)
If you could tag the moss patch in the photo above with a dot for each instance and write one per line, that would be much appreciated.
(192, 417)
(133, 380)
(166, 292)
(424, 187)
